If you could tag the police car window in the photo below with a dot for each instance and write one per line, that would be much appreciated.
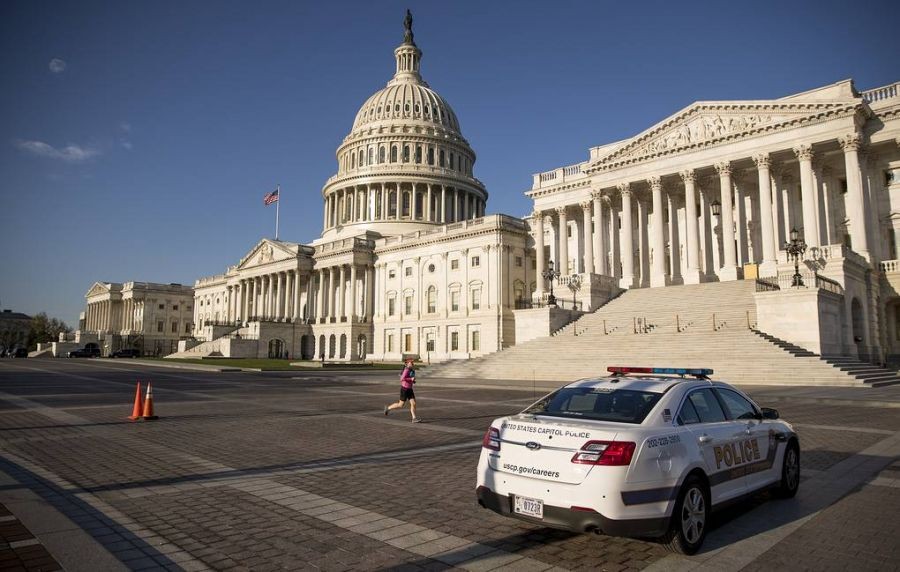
(688, 415)
(601, 404)
(707, 406)
(737, 406)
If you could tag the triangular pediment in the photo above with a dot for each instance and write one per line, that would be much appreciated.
(268, 251)
(708, 123)
(98, 289)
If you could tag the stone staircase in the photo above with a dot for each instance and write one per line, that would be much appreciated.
(705, 325)
(214, 348)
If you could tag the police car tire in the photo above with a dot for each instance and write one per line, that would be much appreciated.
(675, 539)
(790, 472)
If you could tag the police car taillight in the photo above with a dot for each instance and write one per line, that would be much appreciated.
(610, 453)
(491, 439)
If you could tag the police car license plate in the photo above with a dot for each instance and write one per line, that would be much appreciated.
(528, 506)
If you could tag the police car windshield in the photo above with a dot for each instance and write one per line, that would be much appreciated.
(597, 403)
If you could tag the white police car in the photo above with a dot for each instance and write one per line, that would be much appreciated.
(645, 452)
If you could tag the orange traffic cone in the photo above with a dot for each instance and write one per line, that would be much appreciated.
(148, 405)
(138, 408)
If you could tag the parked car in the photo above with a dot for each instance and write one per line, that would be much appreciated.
(20, 352)
(84, 352)
(126, 353)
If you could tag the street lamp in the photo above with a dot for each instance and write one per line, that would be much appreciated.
(551, 275)
(796, 247)
(716, 207)
(574, 286)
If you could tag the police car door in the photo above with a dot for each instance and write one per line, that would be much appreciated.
(715, 436)
(756, 447)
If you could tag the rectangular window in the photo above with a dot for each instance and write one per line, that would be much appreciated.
(518, 262)
(392, 273)
(174, 327)
(454, 301)
(162, 306)
(406, 153)
(534, 264)
(454, 341)
(476, 341)
(188, 308)
(391, 306)
(476, 262)
(569, 231)
(418, 153)
(476, 299)
(408, 301)
(429, 343)
(159, 326)
(390, 342)
(407, 342)
(175, 307)
(187, 328)
(454, 264)
(408, 271)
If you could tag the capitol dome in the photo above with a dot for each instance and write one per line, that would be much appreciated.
(405, 165)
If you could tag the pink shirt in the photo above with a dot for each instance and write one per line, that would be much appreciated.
(407, 378)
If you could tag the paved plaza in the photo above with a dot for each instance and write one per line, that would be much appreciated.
(301, 470)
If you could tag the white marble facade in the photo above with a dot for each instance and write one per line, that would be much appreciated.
(408, 263)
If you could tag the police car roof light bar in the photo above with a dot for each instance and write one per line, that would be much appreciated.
(696, 372)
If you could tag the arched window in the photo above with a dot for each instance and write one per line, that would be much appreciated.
(406, 153)
(381, 154)
(352, 160)
(431, 155)
(418, 154)
(362, 158)
(371, 158)
(451, 159)
(442, 157)
(432, 299)
(393, 154)
(405, 204)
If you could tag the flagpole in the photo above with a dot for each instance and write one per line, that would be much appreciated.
(277, 207)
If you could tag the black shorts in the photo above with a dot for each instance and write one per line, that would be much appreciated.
(406, 394)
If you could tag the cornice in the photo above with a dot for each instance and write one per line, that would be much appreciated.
(470, 183)
(445, 238)
(574, 185)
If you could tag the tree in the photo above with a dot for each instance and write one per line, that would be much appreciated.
(45, 329)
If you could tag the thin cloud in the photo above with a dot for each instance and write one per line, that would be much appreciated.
(127, 145)
(125, 127)
(57, 65)
(70, 153)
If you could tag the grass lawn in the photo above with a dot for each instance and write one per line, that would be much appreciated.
(278, 364)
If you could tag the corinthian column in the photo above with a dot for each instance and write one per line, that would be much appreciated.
(627, 280)
(600, 266)
(658, 241)
(588, 237)
(769, 264)
(691, 220)
(729, 269)
(808, 192)
(563, 237)
(855, 201)
(537, 218)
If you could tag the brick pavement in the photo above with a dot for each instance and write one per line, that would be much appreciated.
(20, 551)
(257, 472)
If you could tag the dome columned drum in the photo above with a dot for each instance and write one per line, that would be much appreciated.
(405, 165)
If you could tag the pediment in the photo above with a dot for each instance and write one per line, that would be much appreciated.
(268, 251)
(98, 289)
(708, 123)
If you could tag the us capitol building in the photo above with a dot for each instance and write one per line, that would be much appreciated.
(409, 263)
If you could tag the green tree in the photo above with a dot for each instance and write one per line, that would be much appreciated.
(45, 329)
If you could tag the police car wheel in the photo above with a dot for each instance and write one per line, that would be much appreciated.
(790, 472)
(690, 517)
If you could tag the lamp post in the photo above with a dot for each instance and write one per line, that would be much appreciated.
(716, 207)
(574, 286)
(551, 275)
(796, 247)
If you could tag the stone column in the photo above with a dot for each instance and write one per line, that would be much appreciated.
(658, 241)
(563, 238)
(692, 230)
(627, 280)
(352, 313)
(341, 294)
(332, 293)
(804, 154)
(370, 293)
(399, 202)
(413, 202)
(588, 237)
(282, 296)
(320, 297)
(455, 204)
(465, 205)
(599, 235)
(674, 239)
(537, 218)
(740, 222)
(769, 266)
(729, 269)
(443, 204)
(855, 199)
(429, 215)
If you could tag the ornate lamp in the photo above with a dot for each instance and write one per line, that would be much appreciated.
(795, 248)
(574, 286)
(716, 207)
(551, 275)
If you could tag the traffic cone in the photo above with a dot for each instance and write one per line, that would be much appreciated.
(138, 408)
(148, 406)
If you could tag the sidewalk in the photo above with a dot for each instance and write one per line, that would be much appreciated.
(20, 551)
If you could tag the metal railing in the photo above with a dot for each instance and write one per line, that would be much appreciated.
(560, 303)
(786, 281)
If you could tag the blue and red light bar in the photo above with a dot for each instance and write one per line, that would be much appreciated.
(663, 370)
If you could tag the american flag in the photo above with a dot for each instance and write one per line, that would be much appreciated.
(271, 197)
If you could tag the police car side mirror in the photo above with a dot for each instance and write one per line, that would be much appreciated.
(769, 413)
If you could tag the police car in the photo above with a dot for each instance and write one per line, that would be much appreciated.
(646, 452)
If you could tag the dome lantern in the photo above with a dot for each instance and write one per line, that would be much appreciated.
(408, 55)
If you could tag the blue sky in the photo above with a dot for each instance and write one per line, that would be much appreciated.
(138, 138)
